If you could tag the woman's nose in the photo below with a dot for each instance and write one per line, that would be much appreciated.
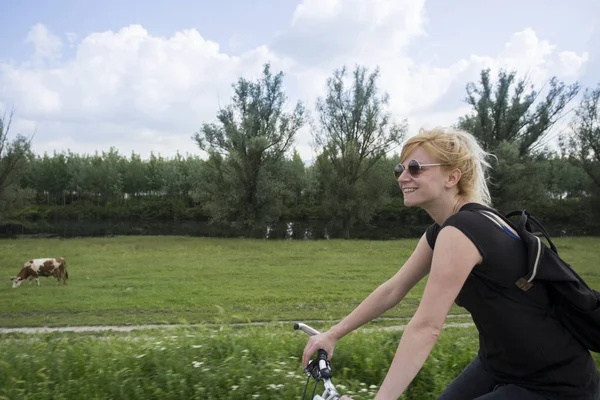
(404, 177)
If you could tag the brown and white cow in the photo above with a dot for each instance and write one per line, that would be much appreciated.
(33, 269)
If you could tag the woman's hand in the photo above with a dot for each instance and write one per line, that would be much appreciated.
(324, 341)
(345, 398)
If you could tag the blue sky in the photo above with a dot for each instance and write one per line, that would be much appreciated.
(255, 21)
(143, 76)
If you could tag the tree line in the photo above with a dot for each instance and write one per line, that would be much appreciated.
(254, 182)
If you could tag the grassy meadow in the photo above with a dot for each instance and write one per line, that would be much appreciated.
(135, 280)
(212, 283)
(153, 279)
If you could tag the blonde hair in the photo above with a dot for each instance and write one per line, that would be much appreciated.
(458, 149)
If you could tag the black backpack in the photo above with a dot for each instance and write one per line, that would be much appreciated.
(577, 305)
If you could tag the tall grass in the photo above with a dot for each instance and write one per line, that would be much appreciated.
(203, 363)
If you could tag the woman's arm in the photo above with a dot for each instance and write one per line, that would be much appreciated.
(380, 300)
(453, 259)
(389, 293)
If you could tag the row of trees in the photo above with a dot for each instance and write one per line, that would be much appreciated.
(254, 178)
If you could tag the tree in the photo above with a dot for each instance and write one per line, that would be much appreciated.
(514, 122)
(517, 182)
(583, 144)
(509, 113)
(297, 182)
(563, 180)
(354, 132)
(13, 165)
(242, 183)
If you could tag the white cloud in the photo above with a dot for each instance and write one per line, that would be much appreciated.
(530, 50)
(531, 57)
(525, 53)
(131, 80)
(396, 15)
(136, 91)
(320, 10)
(71, 38)
(46, 45)
(571, 62)
(329, 33)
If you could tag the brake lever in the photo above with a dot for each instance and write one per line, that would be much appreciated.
(319, 368)
(312, 369)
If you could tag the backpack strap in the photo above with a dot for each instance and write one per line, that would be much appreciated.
(498, 221)
(526, 222)
(532, 242)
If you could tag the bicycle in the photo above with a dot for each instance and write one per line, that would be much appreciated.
(319, 369)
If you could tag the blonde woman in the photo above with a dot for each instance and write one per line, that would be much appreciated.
(472, 259)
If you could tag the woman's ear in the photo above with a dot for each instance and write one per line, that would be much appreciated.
(453, 178)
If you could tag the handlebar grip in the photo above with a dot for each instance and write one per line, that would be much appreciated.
(321, 355)
(323, 364)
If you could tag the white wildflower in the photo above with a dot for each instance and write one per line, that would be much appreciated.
(275, 387)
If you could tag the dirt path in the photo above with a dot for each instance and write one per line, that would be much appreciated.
(129, 328)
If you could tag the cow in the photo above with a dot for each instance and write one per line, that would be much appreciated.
(33, 269)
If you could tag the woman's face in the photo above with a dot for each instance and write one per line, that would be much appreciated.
(423, 186)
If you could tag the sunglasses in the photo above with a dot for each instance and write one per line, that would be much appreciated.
(414, 168)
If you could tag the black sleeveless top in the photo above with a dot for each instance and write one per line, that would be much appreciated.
(521, 340)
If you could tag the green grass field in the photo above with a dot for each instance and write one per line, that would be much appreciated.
(212, 282)
(144, 280)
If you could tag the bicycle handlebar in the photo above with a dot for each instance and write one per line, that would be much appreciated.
(305, 328)
(320, 368)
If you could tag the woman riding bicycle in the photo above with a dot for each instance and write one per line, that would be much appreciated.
(465, 253)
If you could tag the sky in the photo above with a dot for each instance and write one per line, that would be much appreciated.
(143, 76)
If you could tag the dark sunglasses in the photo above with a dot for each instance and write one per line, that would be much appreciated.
(414, 168)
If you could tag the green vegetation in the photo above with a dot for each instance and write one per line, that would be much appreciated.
(211, 363)
(203, 363)
(253, 179)
(171, 279)
(212, 283)
(132, 280)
